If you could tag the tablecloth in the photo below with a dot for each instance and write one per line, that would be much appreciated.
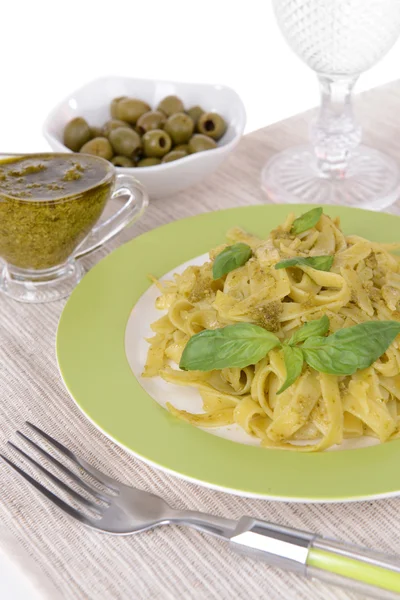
(67, 561)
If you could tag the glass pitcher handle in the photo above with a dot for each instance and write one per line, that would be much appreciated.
(125, 185)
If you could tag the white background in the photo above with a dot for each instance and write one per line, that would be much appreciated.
(49, 48)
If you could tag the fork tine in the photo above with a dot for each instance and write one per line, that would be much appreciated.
(52, 441)
(69, 510)
(101, 477)
(57, 481)
(99, 495)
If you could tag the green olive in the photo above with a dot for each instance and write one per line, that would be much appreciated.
(122, 161)
(179, 128)
(171, 105)
(156, 143)
(211, 124)
(154, 119)
(100, 146)
(130, 109)
(114, 124)
(149, 162)
(195, 113)
(200, 142)
(125, 142)
(76, 133)
(96, 132)
(113, 106)
(183, 147)
(174, 155)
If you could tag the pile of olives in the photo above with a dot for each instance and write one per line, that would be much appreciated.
(137, 136)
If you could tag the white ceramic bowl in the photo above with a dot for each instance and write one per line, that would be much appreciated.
(92, 102)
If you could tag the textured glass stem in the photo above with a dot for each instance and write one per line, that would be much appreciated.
(335, 133)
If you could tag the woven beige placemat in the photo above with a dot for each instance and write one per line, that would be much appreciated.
(67, 561)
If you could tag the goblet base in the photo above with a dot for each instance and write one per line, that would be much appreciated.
(371, 179)
(28, 285)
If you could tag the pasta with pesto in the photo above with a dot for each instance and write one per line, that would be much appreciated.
(319, 409)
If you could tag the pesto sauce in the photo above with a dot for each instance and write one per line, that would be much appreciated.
(48, 205)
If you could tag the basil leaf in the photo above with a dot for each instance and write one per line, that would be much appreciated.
(306, 221)
(350, 349)
(294, 363)
(236, 345)
(231, 258)
(317, 327)
(321, 263)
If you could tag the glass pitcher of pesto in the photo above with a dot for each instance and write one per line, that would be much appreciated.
(50, 206)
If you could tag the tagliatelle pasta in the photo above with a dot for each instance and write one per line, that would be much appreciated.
(319, 409)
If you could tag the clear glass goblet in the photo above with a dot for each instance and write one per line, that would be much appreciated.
(339, 39)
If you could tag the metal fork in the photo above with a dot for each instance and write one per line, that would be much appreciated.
(124, 509)
(120, 509)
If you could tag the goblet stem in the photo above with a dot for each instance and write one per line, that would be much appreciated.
(335, 134)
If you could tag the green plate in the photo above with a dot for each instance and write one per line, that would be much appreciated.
(93, 364)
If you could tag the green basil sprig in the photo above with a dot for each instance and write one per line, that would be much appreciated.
(231, 258)
(244, 344)
(321, 263)
(293, 356)
(306, 220)
(350, 349)
(294, 363)
(238, 345)
(317, 327)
